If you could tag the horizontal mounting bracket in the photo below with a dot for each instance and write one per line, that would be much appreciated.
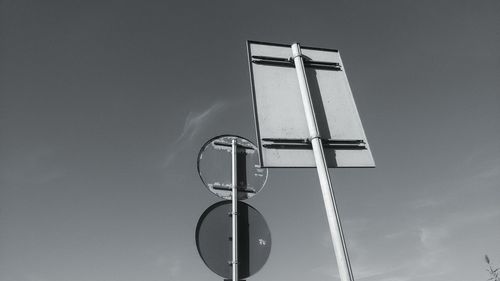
(278, 143)
(288, 62)
(229, 145)
(221, 187)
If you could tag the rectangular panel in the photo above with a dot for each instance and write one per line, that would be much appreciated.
(282, 130)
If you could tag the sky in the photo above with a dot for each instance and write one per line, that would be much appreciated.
(104, 106)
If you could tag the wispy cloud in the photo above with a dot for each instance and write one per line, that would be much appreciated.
(174, 268)
(365, 266)
(484, 166)
(194, 122)
(427, 202)
(490, 172)
(34, 277)
(172, 265)
(433, 260)
(35, 166)
(432, 247)
(377, 273)
(422, 248)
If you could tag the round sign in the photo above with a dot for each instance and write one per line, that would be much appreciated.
(213, 239)
(215, 167)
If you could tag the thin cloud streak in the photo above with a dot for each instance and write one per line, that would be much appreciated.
(174, 269)
(37, 166)
(195, 121)
(430, 258)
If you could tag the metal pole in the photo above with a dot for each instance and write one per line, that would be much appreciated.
(332, 213)
(234, 187)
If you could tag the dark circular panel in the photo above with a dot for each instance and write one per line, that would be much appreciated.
(213, 239)
(214, 167)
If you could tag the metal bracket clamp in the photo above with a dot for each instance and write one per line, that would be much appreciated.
(229, 145)
(310, 139)
(245, 190)
(346, 144)
(289, 62)
(298, 54)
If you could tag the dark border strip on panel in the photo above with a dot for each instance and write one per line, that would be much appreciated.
(254, 102)
(290, 45)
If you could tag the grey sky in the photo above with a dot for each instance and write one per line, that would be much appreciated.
(105, 104)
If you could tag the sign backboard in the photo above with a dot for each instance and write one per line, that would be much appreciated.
(279, 112)
(214, 167)
(213, 239)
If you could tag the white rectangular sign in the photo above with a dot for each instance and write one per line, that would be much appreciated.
(282, 130)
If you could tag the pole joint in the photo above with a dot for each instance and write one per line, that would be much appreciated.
(297, 56)
(314, 137)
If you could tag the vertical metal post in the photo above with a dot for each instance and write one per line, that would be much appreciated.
(234, 197)
(339, 245)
